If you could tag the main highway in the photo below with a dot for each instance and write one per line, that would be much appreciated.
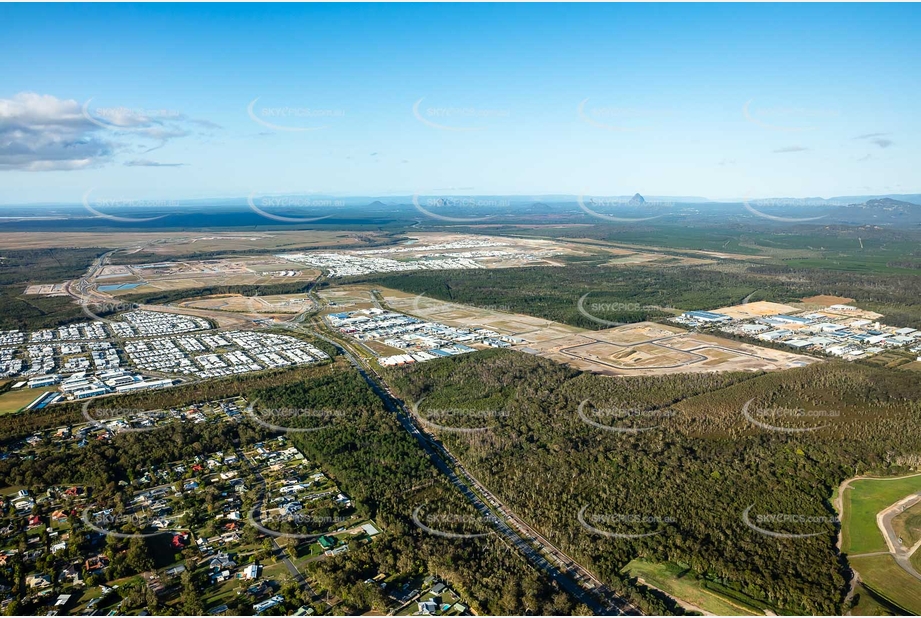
(540, 552)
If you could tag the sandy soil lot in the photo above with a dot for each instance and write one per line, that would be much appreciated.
(827, 301)
(645, 348)
(280, 303)
(757, 309)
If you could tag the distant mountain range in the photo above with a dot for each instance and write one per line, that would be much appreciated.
(889, 201)
(872, 201)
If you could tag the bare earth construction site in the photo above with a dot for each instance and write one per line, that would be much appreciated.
(640, 349)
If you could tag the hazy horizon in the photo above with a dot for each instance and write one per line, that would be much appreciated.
(717, 101)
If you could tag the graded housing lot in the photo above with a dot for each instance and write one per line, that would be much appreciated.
(638, 349)
(647, 348)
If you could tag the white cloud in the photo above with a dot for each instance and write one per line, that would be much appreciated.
(149, 163)
(788, 149)
(42, 132)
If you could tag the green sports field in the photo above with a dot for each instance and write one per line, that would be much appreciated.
(864, 499)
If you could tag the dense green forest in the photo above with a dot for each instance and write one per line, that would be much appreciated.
(636, 293)
(388, 475)
(624, 294)
(364, 449)
(690, 477)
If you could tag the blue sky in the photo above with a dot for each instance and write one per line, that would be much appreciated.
(151, 101)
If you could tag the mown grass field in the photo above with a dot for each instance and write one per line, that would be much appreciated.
(864, 499)
(14, 401)
(869, 605)
(889, 580)
(672, 579)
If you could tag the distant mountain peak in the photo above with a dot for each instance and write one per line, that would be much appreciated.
(637, 199)
(886, 202)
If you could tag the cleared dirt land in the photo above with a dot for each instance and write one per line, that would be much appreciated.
(827, 301)
(645, 348)
(757, 309)
(158, 276)
(279, 303)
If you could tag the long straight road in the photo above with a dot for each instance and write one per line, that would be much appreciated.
(566, 572)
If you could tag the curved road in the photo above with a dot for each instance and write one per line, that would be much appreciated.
(899, 552)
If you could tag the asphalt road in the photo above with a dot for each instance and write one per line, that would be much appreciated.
(566, 572)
